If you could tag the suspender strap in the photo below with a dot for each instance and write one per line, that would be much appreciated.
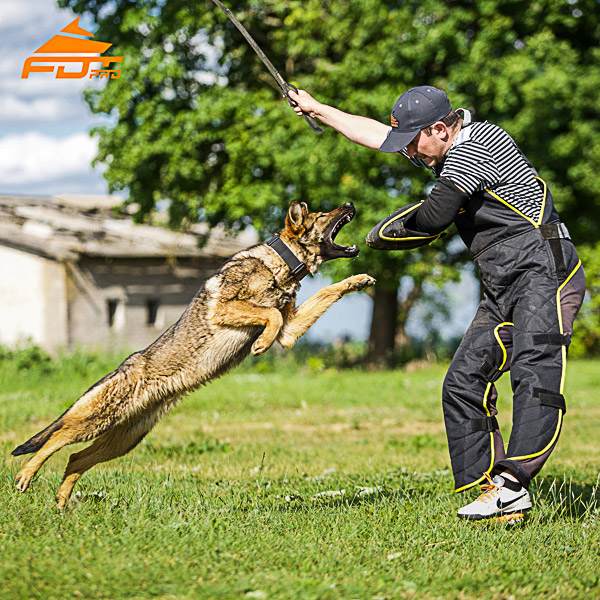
(488, 424)
(554, 232)
(548, 398)
(299, 269)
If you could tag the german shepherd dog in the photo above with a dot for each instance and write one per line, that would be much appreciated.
(245, 307)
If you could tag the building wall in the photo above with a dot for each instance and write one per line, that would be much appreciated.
(127, 303)
(32, 299)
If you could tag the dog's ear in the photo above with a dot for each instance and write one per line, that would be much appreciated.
(295, 217)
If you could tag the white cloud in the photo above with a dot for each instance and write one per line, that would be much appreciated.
(14, 108)
(33, 16)
(34, 157)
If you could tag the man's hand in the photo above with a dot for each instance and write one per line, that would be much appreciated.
(305, 102)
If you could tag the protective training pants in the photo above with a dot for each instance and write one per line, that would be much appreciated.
(523, 325)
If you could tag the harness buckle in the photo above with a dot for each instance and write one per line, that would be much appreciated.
(555, 231)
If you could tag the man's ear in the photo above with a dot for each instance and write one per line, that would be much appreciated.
(441, 129)
(295, 217)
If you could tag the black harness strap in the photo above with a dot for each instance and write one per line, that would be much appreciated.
(299, 269)
(548, 398)
(552, 339)
(488, 424)
(554, 232)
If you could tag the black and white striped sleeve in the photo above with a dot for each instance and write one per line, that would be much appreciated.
(471, 166)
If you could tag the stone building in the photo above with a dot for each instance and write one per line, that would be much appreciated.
(76, 272)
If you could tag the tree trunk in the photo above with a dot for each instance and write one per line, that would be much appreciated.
(383, 327)
(403, 341)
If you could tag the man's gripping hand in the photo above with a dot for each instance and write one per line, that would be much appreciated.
(304, 103)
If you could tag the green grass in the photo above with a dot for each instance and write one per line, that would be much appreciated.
(217, 501)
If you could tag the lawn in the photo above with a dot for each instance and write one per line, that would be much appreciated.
(221, 499)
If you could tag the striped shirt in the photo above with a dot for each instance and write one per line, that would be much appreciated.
(484, 157)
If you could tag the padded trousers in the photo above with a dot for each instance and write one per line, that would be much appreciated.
(523, 326)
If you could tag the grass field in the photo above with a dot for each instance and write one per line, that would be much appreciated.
(218, 501)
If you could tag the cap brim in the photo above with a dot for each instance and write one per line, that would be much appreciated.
(397, 140)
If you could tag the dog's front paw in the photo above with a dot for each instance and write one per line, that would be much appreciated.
(260, 346)
(358, 282)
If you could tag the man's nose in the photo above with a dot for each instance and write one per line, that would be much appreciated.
(410, 150)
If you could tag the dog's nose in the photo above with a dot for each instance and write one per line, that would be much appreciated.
(349, 205)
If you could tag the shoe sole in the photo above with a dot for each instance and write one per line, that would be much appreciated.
(518, 515)
(512, 518)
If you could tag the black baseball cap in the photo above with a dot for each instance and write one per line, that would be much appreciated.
(416, 109)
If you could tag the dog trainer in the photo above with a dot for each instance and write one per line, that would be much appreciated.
(532, 278)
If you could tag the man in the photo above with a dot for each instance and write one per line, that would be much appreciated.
(532, 278)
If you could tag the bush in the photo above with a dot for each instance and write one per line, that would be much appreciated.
(30, 358)
(306, 355)
(26, 357)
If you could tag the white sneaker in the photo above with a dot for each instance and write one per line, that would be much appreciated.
(498, 500)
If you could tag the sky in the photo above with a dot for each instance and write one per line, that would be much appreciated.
(44, 143)
(45, 148)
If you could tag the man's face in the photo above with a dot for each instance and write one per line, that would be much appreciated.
(431, 149)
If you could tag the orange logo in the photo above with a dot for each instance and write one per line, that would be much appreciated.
(72, 45)
(394, 121)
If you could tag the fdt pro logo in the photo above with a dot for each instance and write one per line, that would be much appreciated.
(62, 44)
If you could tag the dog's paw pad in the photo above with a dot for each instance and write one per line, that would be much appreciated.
(359, 282)
(368, 281)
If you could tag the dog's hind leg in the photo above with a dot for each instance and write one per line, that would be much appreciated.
(238, 313)
(85, 420)
(70, 428)
(300, 319)
(115, 442)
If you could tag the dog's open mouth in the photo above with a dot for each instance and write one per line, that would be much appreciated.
(344, 215)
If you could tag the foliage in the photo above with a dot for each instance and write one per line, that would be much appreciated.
(194, 121)
(35, 364)
(216, 503)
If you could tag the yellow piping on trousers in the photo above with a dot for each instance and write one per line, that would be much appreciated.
(563, 372)
(487, 412)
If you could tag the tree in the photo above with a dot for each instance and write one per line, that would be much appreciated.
(196, 122)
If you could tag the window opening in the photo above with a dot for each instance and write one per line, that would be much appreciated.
(111, 306)
(151, 311)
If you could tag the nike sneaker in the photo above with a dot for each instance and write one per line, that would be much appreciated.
(502, 498)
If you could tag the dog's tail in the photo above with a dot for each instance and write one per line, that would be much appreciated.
(39, 439)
